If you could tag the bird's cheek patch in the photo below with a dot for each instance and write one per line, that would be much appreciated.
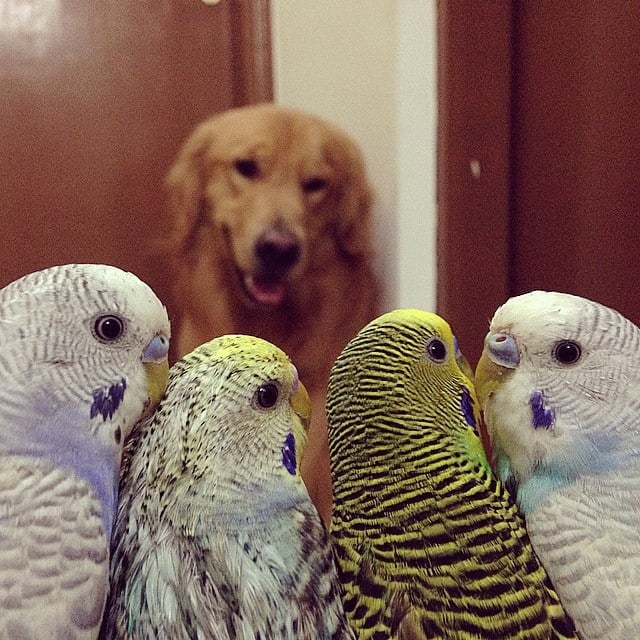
(542, 417)
(289, 454)
(106, 401)
(466, 404)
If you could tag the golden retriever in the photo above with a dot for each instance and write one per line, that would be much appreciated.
(270, 209)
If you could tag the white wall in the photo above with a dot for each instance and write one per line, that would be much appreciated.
(370, 66)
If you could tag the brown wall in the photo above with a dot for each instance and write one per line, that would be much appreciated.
(473, 207)
(576, 142)
(94, 102)
(546, 95)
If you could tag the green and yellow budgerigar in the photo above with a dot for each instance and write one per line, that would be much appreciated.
(428, 543)
(216, 536)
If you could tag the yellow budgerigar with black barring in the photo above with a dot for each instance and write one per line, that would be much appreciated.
(428, 543)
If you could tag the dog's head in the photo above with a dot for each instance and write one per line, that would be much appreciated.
(281, 189)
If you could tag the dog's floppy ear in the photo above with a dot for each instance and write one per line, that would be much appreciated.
(185, 183)
(354, 205)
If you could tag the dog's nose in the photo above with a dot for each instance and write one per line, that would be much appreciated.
(277, 251)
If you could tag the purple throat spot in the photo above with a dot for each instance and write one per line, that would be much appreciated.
(543, 417)
(466, 404)
(289, 454)
(106, 401)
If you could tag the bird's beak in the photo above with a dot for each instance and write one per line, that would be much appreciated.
(499, 359)
(155, 359)
(464, 365)
(301, 404)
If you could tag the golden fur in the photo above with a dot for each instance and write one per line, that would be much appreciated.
(278, 181)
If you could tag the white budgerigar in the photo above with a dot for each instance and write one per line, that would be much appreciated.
(216, 536)
(84, 356)
(559, 381)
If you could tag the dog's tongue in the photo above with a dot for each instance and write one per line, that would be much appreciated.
(264, 291)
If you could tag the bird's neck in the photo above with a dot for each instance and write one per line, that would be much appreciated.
(602, 462)
(64, 439)
(232, 505)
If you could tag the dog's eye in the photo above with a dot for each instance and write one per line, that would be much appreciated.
(314, 184)
(247, 168)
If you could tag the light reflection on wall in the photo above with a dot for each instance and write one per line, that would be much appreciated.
(28, 27)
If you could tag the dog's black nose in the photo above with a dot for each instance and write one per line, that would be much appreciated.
(277, 252)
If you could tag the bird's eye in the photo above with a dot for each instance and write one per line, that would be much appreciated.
(108, 328)
(567, 352)
(267, 395)
(436, 350)
(247, 168)
(314, 184)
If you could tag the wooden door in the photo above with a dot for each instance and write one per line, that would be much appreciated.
(544, 96)
(474, 64)
(95, 99)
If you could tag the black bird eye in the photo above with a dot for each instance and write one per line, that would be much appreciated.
(267, 395)
(567, 352)
(108, 327)
(436, 350)
(314, 184)
(247, 168)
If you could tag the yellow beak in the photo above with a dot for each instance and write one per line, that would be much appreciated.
(465, 367)
(155, 359)
(157, 378)
(301, 404)
(489, 376)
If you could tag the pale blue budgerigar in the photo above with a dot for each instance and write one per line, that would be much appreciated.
(429, 544)
(84, 356)
(559, 380)
(215, 535)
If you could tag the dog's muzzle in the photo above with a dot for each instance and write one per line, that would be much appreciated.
(276, 252)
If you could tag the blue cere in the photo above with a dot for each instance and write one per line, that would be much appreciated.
(156, 349)
(503, 350)
(289, 454)
(543, 417)
(106, 401)
(456, 348)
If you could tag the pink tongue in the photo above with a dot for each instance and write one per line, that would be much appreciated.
(265, 291)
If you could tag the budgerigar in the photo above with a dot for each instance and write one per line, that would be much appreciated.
(559, 379)
(216, 536)
(84, 356)
(428, 543)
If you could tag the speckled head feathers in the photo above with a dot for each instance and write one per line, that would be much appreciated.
(59, 314)
(234, 402)
(555, 339)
